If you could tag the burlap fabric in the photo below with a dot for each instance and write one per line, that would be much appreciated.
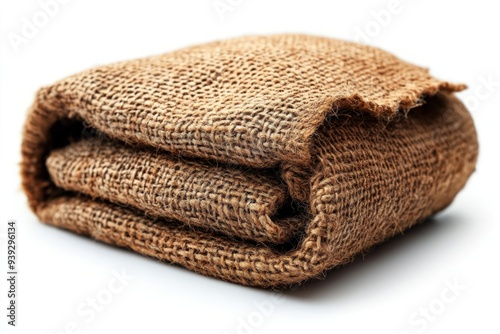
(258, 160)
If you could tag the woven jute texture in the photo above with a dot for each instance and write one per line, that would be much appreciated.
(262, 160)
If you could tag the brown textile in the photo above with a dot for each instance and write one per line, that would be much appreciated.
(259, 160)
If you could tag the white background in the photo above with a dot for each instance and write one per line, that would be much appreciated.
(457, 40)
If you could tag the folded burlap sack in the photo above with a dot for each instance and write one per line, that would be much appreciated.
(258, 160)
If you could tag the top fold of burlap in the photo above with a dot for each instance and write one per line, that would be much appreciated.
(253, 101)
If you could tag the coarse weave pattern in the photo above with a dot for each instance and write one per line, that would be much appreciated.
(260, 160)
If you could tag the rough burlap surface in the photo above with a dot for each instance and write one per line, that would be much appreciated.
(258, 160)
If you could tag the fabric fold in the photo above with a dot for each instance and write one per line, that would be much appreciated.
(227, 200)
(261, 160)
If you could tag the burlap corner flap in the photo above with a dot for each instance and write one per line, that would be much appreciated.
(262, 160)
